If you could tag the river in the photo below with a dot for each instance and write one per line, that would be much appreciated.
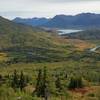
(94, 49)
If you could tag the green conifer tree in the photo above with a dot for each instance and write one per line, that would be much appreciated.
(58, 84)
(15, 80)
(45, 84)
(75, 82)
(42, 84)
(22, 81)
(39, 83)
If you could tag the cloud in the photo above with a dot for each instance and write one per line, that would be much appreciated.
(48, 8)
(64, 1)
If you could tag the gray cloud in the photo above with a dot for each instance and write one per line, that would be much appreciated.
(48, 8)
(61, 1)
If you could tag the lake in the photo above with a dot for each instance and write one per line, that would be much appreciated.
(67, 31)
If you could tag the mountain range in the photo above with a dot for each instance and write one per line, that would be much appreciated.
(31, 21)
(83, 20)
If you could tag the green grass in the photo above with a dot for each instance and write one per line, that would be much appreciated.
(78, 64)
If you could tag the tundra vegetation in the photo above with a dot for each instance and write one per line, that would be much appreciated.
(35, 65)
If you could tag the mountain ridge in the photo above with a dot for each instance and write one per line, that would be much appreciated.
(82, 20)
(31, 21)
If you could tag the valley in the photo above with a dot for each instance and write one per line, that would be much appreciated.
(49, 49)
(36, 63)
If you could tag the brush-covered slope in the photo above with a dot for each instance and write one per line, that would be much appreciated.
(25, 43)
(12, 34)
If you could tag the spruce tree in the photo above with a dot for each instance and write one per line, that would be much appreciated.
(41, 86)
(39, 83)
(75, 82)
(79, 82)
(1, 79)
(15, 80)
(22, 81)
(58, 84)
(45, 84)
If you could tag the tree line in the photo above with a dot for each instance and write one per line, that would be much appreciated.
(42, 90)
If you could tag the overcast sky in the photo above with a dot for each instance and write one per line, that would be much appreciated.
(46, 8)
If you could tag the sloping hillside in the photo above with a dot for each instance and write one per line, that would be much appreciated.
(22, 42)
(12, 34)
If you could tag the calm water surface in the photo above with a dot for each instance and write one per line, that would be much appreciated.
(67, 31)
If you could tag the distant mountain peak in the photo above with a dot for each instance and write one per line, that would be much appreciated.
(31, 21)
(82, 20)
